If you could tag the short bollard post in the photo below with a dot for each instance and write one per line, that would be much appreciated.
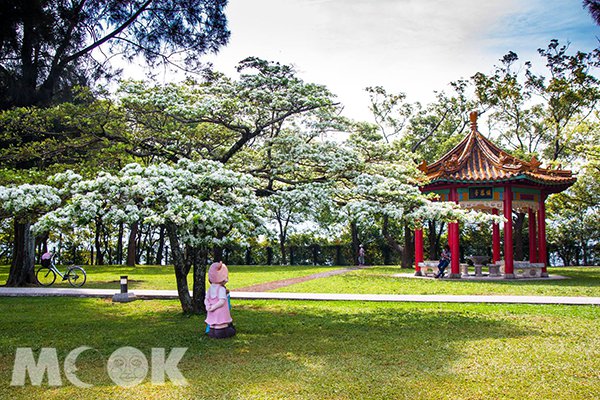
(124, 296)
(124, 284)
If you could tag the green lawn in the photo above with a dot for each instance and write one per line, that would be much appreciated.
(319, 350)
(163, 277)
(583, 281)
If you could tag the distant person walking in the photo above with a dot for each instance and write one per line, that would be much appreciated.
(361, 256)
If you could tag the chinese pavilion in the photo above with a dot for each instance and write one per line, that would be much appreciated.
(477, 174)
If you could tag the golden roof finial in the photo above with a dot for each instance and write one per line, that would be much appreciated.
(473, 118)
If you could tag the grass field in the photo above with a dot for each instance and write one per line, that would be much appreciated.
(163, 277)
(582, 281)
(324, 350)
(319, 350)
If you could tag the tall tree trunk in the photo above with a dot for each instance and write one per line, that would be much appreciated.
(217, 254)
(385, 248)
(226, 253)
(392, 244)
(42, 246)
(518, 236)
(315, 254)
(148, 244)
(248, 256)
(269, 255)
(161, 245)
(97, 244)
(181, 265)
(199, 292)
(142, 244)
(23, 263)
(107, 245)
(408, 248)
(282, 239)
(434, 236)
(58, 255)
(119, 255)
(282, 249)
(138, 244)
(131, 248)
(355, 244)
(292, 255)
(338, 255)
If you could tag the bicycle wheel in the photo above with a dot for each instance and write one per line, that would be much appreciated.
(45, 276)
(76, 276)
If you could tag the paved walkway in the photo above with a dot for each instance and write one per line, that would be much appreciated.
(265, 287)
(172, 294)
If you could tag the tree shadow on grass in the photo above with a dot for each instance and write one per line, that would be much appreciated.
(285, 348)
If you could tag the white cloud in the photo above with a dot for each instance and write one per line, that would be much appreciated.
(415, 46)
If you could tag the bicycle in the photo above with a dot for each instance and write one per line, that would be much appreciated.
(46, 275)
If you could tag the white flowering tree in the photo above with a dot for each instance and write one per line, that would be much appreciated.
(294, 208)
(298, 174)
(201, 204)
(263, 123)
(25, 203)
(386, 189)
(219, 117)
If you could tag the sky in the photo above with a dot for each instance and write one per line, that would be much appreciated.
(410, 46)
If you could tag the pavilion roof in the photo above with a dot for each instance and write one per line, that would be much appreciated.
(477, 160)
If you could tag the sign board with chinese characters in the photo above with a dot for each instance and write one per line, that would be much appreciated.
(481, 193)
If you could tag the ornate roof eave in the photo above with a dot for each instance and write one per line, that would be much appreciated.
(476, 160)
(550, 187)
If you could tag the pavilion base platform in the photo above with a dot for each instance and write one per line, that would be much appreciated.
(484, 278)
(521, 270)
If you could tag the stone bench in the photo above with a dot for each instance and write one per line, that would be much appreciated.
(493, 270)
(525, 269)
(429, 265)
(479, 262)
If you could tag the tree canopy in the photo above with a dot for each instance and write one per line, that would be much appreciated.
(49, 46)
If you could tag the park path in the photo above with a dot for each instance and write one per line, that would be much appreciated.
(401, 298)
(267, 286)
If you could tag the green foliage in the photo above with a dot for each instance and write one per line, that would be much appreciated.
(48, 47)
(574, 232)
(438, 127)
(87, 133)
(226, 115)
(513, 116)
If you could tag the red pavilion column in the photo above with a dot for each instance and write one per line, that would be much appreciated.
(508, 234)
(542, 255)
(418, 250)
(532, 236)
(453, 240)
(495, 239)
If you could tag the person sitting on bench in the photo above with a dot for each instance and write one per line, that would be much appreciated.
(444, 262)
